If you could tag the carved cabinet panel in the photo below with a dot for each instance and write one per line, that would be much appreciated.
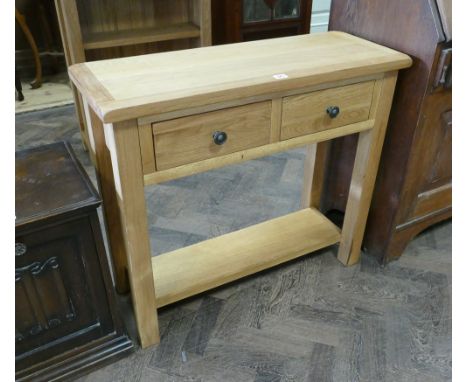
(66, 316)
(57, 289)
(430, 170)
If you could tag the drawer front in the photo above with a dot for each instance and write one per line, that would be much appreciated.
(307, 113)
(190, 139)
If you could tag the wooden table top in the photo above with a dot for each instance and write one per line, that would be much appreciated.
(132, 87)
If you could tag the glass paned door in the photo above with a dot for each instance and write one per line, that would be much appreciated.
(256, 10)
(286, 9)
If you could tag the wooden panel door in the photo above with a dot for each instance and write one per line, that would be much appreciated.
(60, 293)
(429, 179)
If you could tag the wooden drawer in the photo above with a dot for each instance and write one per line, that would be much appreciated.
(190, 139)
(307, 113)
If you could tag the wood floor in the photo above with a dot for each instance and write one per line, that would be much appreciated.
(309, 320)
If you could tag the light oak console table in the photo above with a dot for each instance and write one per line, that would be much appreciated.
(158, 117)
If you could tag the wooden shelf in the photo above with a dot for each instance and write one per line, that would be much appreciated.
(206, 265)
(140, 36)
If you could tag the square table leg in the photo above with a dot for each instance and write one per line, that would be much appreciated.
(123, 143)
(365, 169)
(105, 176)
(117, 155)
(314, 172)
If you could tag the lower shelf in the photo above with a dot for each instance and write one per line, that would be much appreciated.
(194, 269)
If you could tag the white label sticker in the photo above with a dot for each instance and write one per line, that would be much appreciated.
(280, 76)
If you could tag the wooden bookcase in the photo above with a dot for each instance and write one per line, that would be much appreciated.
(104, 29)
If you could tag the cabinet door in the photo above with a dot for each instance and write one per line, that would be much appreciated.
(429, 181)
(61, 300)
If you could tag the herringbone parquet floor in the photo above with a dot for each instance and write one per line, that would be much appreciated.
(308, 320)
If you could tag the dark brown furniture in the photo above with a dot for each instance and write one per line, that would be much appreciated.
(66, 316)
(21, 20)
(413, 188)
(18, 86)
(247, 20)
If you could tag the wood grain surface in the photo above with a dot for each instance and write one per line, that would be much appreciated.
(203, 266)
(124, 149)
(171, 81)
(307, 113)
(366, 164)
(190, 139)
(141, 36)
(256, 152)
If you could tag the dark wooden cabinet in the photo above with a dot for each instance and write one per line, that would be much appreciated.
(66, 316)
(247, 20)
(413, 188)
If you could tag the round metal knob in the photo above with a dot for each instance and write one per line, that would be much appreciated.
(333, 111)
(219, 137)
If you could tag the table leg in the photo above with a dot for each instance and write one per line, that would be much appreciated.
(101, 156)
(364, 172)
(124, 147)
(80, 111)
(314, 172)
